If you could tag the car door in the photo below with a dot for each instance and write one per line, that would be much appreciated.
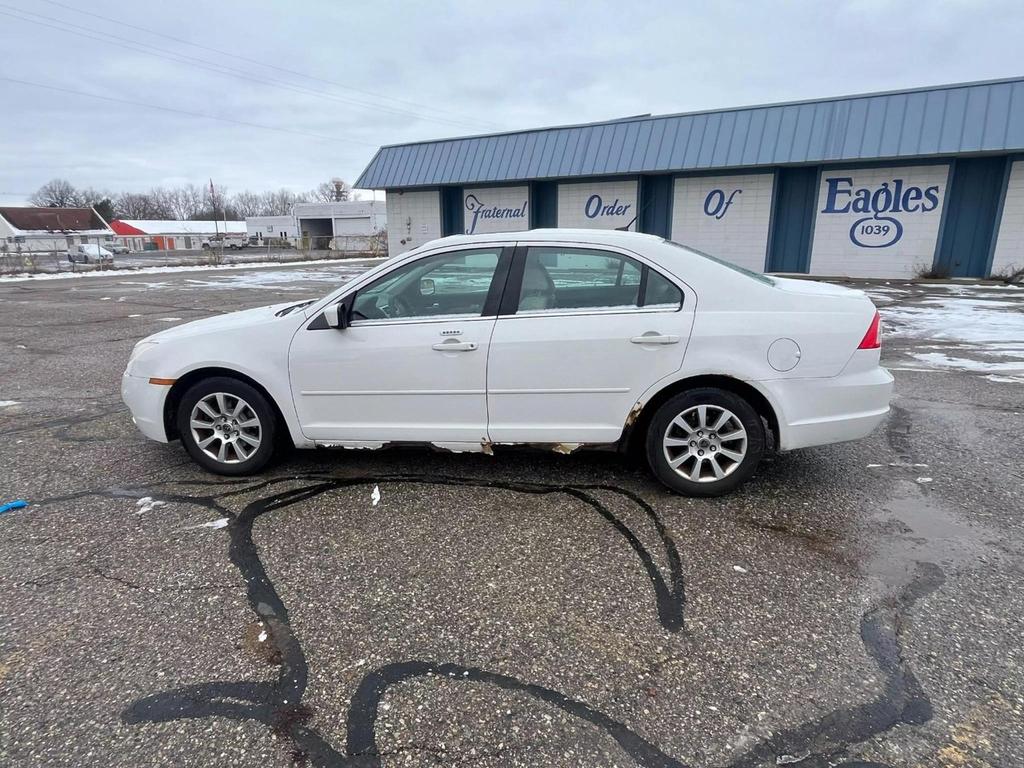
(411, 365)
(583, 332)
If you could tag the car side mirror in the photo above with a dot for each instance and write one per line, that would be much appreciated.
(427, 287)
(337, 315)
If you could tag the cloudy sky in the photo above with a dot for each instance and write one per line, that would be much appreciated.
(260, 94)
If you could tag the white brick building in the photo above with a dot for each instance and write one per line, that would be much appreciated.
(900, 184)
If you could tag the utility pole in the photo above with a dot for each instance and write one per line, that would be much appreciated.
(216, 231)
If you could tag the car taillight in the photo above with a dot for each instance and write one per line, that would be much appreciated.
(873, 338)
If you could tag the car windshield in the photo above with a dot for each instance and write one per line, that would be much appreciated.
(735, 267)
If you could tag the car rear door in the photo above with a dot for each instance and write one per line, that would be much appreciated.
(411, 365)
(582, 332)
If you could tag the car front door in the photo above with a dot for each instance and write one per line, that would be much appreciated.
(412, 363)
(582, 333)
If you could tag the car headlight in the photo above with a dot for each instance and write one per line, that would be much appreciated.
(137, 350)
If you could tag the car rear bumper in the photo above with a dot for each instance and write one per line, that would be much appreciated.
(146, 403)
(831, 410)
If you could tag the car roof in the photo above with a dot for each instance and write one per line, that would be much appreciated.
(608, 236)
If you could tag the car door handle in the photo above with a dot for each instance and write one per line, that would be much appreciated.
(655, 338)
(455, 346)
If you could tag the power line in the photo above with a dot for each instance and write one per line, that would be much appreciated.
(189, 113)
(121, 22)
(108, 38)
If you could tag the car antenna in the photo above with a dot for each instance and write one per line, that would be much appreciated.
(633, 220)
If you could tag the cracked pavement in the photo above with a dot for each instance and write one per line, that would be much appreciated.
(854, 605)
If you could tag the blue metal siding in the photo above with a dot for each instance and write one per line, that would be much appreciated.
(949, 120)
(892, 128)
(795, 200)
(1015, 121)
(994, 134)
(972, 207)
(655, 216)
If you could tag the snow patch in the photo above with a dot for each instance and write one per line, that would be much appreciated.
(7, 403)
(147, 504)
(963, 320)
(215, 524)
(967, 364)
(375, 496)
(189, 268)
(978, 332)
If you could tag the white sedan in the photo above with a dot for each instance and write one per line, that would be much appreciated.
(89, 252)
(560, 338)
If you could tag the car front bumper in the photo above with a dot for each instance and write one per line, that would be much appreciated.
(146, 403)
(831, 410)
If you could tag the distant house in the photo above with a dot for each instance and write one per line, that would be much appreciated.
(170, 235)
(50, 229)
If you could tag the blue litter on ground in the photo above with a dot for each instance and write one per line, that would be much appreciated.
(17, 504)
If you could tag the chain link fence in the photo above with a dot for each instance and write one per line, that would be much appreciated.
(139, 252)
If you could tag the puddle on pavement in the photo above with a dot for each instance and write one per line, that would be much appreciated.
(920, 530)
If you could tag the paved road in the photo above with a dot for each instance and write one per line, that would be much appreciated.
(855, 605)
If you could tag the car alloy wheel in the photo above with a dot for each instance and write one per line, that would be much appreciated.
(705, 443)
(225, 428)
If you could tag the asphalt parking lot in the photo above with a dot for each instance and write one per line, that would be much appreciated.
(853, 605)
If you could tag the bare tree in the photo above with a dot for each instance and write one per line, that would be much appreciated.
(281, 202)
(331, 191)
(56, 193)
(249, 203)
(140, 205)
(184, 202)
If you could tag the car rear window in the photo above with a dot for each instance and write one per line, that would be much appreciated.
(734, 267)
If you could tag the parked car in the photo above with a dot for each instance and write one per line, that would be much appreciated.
(231, 241)
(118, 249)
(89, 253)
(563, 338)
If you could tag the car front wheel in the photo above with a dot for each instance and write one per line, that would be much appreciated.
(705, 442)
(227, 426)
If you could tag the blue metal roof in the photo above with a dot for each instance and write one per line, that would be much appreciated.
(941, 120)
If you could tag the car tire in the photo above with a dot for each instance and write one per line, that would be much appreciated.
(227, 426)
(685, 446)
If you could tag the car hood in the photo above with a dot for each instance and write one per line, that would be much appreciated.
(229, 321)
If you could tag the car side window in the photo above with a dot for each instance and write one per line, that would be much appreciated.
(574, 278)
(558, 278)
(442, 285)
(660, 292)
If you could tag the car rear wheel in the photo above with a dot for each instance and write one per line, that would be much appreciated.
(227, 426)
(705, 442)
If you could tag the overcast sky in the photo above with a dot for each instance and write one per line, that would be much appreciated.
(385, 72)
